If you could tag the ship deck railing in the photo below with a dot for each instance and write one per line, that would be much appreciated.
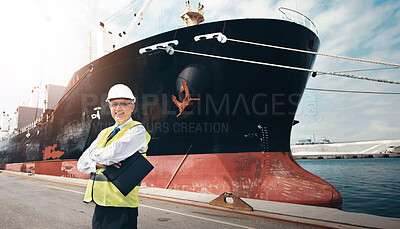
(29, 126)
(25, 128)
(297, 17)
(40, 121)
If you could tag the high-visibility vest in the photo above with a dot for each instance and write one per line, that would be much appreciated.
(99, 189)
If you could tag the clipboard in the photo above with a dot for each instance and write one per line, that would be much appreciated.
(131, 172)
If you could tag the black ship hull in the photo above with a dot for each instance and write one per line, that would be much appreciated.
(243, 107)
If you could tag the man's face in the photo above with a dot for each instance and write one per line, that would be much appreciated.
(121, 110)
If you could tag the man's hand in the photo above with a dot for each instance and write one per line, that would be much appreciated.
(99, 166)
(116, 165)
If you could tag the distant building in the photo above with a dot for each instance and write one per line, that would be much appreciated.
(304, 142)
(323, 140)
(5, 121)
(4, 124)
(393, 149)
(308, 141)
(27, 114)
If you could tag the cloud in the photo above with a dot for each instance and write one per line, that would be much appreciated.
(361, 29)
(377, 129)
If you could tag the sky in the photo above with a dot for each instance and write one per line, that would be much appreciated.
(45, 42)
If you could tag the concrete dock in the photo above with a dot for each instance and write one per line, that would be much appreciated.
(40, 201)
(345, 150)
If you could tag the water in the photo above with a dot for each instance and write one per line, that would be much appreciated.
(369, 186)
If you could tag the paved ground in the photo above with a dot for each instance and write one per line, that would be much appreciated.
(30, 203)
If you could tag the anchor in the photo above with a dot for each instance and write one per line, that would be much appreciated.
(185, 105)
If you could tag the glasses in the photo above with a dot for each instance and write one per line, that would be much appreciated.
(122, 104)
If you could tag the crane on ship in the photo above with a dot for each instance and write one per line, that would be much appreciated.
(105, 37)
(105, 41)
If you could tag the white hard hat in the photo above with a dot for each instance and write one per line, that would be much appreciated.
(120, 91)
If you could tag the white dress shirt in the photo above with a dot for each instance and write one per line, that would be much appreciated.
(132, 141)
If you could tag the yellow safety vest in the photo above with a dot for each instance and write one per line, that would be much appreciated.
(99, 189)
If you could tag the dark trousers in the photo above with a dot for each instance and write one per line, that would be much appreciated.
(115, 218)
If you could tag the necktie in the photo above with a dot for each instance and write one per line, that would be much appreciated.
(115, 131)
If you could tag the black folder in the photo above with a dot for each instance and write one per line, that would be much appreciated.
(131, 172)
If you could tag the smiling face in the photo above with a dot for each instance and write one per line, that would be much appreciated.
(121, 110)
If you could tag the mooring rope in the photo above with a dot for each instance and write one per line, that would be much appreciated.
(285, 66)
(311, 52)
(352, 91)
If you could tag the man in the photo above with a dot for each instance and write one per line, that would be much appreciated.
(113, 145)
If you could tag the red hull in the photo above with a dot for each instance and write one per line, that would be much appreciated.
(64, 168)
(273, 176)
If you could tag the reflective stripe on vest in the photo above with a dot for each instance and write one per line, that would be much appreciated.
(99, 189)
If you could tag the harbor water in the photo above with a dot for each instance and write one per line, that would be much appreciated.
(370, 185)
